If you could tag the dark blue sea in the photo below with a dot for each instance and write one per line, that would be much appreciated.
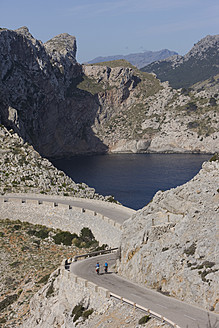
(132, 179)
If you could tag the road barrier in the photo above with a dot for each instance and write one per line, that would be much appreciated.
(148, 311)
(24, 200)
(103, 251)
(106, 293)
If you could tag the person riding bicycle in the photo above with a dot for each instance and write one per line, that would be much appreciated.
(97, 268)
(106, 267)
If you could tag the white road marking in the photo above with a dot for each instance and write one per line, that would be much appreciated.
(189, 317)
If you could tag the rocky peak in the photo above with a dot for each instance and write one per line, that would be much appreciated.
(24, 31)
(62, 52)
(62, 45)
(201, 48)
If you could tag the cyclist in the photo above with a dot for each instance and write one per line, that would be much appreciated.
(97, 268)
(106, 267)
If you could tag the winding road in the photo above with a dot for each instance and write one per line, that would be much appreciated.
(183, 314)
(113, 211)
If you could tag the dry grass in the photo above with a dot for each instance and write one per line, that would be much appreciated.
(26, 263)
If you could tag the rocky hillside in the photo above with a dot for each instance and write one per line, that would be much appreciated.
(28, 256)
(172, 243)
(150, 116)
(63, 108)
(199, 64)
(23, 170)
(138, 59)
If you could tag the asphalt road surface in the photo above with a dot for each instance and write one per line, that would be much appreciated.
(117, 213)
(183, 314)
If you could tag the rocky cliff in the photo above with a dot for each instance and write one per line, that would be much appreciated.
(172, 243)
(39, 97)
(63, 108)
(139, 114)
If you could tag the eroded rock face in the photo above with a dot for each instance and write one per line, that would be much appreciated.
(63, 108)
(172, 244)
(39, 97)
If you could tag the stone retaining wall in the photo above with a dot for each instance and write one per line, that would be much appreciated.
(105, 230)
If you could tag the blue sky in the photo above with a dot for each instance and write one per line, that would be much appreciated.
(112, 27)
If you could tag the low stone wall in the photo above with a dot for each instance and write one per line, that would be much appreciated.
(105, 230)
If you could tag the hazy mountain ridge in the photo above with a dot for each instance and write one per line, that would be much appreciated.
(199, 64)
(137, 59)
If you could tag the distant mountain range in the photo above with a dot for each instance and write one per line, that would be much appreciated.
(199, 64)
(138, 59)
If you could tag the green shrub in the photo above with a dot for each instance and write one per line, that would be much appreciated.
(31, 232)
(77, 312)
(17, 227)
(64, 237)
(44, 279)
(190, 250)
(42, 233)
(86, 235)
(50, 290)
(144, 319)
(8, 301)
(208, 264)
(87, 313)
(215, 157)
(111, 199)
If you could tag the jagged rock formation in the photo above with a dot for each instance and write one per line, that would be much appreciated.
(199, 64)
(63, 108)
(138, 59)
(38, 93)
(172, 244)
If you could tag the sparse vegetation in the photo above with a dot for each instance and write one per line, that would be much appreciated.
(144, 319)
(190, 250)
(31, 260)
(215, 157)
(80, 311)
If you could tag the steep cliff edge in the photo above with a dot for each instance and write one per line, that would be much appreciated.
(39, 95)
(172, 243)
(64, 109)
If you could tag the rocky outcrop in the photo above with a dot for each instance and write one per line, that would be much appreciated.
(172, 244)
